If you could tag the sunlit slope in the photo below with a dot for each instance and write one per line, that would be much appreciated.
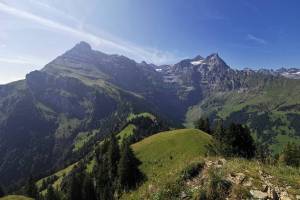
(272, 112)
(165, 154)
(15, 197)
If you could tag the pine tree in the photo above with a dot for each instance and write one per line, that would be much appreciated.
(291, 155)
(74, 191)
(51, 194)
(101, 171)
(203, 124)
(104, 188)
(2, 193)
(238, 142)
(113, 156)
(129, 173)
(31, 189)
(218, 138)
(219, 130)
(44, 184)
(263, 153)
(88, 188)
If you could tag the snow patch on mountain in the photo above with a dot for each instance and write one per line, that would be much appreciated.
(197, 62)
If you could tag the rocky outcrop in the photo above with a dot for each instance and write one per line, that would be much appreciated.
(260, 189)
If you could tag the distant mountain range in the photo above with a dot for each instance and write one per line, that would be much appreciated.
(87, 92)
(292, 73)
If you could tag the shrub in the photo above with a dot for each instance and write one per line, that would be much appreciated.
(171, 191)
(201, 195)
(290, 155)
(234, 141)
(239, 193)
(192, 170)
(218, 188)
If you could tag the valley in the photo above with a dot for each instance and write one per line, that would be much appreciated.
(57, 118)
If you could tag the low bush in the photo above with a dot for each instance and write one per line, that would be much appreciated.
(218, 188)
(192, 170)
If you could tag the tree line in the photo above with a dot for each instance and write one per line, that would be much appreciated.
(115, 171)
(235, 140)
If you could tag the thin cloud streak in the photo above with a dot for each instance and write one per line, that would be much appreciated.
(14, 61)
(256, 39)
(151, 55)
(53, 9)
(22, 61)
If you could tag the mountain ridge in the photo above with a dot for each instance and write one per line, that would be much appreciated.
(84, 90)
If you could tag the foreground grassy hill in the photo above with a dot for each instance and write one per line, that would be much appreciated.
(162, 155)
(165, 155)
(168, 158)
(175, 165)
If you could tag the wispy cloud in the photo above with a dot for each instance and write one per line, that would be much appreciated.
(28, 60)
(122, 47)
(13, 61)
(52, 9)
(256, 39)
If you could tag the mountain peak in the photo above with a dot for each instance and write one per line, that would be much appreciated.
(215, 59)
(213, 56)
(83, 46)
(198, 57)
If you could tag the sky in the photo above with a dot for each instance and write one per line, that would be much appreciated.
(245, 33)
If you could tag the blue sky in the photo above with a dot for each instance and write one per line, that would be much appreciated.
(245, 33)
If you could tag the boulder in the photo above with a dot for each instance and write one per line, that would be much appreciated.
(257, 194)
(284, 196)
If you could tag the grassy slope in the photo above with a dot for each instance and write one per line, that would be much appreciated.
(269, 100)
(126, 132)
(164, 155)
(15, 197)
(129, 129)
(60, 174)
(145, 114)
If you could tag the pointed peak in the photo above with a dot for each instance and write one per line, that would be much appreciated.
(215, 58)
(213, 55)
(198, 57)
(83, 46)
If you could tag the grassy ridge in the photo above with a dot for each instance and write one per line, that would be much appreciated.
(126, 132)
(60, 174)
(163, 157)
(165, 154)
(15, 197)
